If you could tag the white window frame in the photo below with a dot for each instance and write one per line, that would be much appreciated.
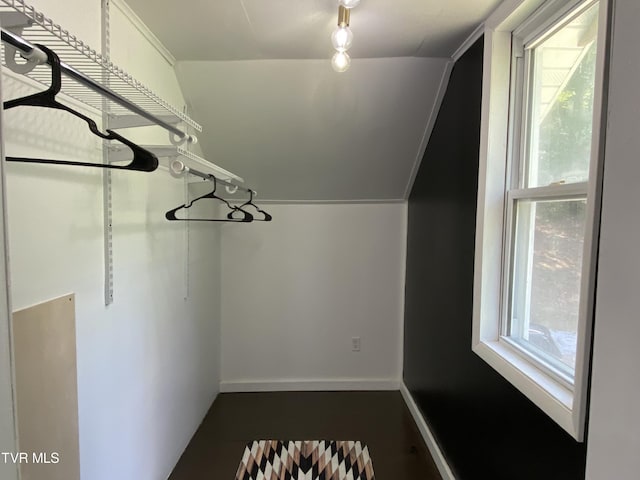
(564, 403)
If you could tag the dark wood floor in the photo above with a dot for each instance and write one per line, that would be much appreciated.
(379, 419)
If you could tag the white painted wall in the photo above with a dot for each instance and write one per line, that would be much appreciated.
(7, 419)
(614, 420)
(297, 289)
(148, 365)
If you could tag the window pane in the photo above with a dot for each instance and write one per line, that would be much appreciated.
(561, 103)
(546, 269)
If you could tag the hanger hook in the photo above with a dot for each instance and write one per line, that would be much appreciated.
(56, 74)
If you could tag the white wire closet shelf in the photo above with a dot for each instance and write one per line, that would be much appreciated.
(88, 77)
(190, 160)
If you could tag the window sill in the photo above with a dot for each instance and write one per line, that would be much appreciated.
(555, 399)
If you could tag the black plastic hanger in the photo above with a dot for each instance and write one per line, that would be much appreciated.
(247, 217)
(267, 217)
(143, 160)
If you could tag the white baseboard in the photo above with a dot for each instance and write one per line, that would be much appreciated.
(434, 449)
(310, 385)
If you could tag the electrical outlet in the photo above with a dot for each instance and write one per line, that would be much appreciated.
(355, 344)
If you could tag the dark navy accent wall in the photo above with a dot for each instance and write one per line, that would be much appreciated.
(485, 427)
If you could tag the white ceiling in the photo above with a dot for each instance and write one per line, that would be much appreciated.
(296, 130)
(258, 78)
(300, 29)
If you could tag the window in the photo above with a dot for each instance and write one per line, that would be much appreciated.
(538, 201)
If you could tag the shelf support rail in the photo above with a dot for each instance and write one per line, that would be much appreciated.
(34, 54)
(178, 168)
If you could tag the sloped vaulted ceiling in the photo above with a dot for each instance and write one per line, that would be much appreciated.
(298, 131)
(257, 76)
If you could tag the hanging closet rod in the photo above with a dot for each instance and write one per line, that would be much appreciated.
(178, 167)
(32, 51)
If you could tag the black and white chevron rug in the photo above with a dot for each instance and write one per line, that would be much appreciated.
(305, 460)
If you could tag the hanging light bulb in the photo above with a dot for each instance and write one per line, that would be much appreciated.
(341, 38)
(340, 61)
(349, 3)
